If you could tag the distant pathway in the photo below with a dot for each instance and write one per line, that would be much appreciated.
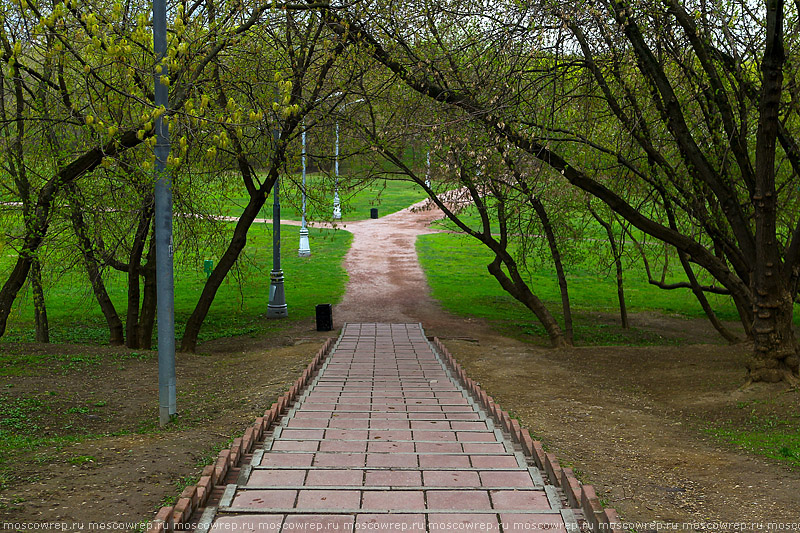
(386, 282)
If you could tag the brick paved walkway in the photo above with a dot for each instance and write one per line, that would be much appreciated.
(384, 439)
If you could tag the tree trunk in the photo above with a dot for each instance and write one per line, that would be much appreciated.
(39, 306)
(13, 285)
(617, 254)
(132, 315)
(226, 262)
(775, 348)
(147, 318)
(562, 278)
(522, 293)
(134, 268)
(115, 333)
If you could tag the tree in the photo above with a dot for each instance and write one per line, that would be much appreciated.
(470, 171)
(299, 54)
(680, 96)
(85, 71)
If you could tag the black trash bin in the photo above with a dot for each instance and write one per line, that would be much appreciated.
(373, 213)
(324, 317)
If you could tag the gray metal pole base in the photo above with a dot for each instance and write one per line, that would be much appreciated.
(305, 247)
(277, 307)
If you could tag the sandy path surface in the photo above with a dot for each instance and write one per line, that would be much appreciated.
(386, 282)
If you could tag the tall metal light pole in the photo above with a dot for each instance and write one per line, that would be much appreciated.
(276, 308)
(167, 404)
(305, 249)
(428, 171)
(337, 208)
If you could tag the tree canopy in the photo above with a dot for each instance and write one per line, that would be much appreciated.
(675, 120)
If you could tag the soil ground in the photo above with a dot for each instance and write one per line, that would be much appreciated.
(629, 420)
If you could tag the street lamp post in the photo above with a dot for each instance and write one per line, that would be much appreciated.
(305, 249)
(276, 308)
(167, 404)
(337, 206)
(428, 171)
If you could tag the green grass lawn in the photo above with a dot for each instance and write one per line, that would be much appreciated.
(773, 437)
(238, 308)
(388, 196)
(456, 269)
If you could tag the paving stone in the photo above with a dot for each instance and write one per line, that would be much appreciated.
(339, 459)
(481, 447)
(345, 423)
(444, 461)
(318, 523)
(394, 460)
(390, 447)
(439, 447)
(519, 499)
(287, 459)
(382, 412)
(409, 500)
(390, 434)
(463, 522)
(493, 461)
(342, 446)
(264, 499)
(394, 522)
(283, 478)
(499, 478)
(247, 523)
(346, 434)
(388, 424)
(295, 445)
(476, 436)
(307, 423)
(451, 478)
(329, 477)
(392, 478)
(469, 426)
(302, 434)
(533, 522)
(328, 499)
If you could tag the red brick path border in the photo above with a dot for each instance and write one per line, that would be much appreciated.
(225, 471)
(213, 479)
(578, 495)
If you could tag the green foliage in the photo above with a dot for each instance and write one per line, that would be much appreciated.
(455, 266)
(80, 460)
(238, 309)
(15, 414)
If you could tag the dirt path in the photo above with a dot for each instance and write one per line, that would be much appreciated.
(386, 282)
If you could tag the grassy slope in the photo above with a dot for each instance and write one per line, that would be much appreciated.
(454, 262)
(455, 266)
(238, 308)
